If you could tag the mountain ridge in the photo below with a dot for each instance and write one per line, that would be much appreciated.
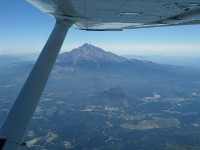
(88, 56)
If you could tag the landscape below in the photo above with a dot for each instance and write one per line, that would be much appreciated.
(98, 100)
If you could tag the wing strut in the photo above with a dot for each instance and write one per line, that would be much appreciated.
(14, 127)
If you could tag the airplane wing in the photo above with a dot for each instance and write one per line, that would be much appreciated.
(122, 14)
(94, 15)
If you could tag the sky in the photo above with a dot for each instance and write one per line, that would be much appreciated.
(25, 29)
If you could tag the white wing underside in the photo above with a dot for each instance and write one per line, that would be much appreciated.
(122, 14)
(87, 15)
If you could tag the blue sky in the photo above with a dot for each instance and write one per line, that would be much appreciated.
(24, 29)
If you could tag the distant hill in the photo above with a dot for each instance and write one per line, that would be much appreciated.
(117, 96)
(8, 59)
(178, 60)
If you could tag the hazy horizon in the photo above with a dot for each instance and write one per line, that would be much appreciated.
(180, 59)
(125, 53)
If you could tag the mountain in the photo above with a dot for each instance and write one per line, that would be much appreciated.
(88, 54)
(93, 58)
(90, 57)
